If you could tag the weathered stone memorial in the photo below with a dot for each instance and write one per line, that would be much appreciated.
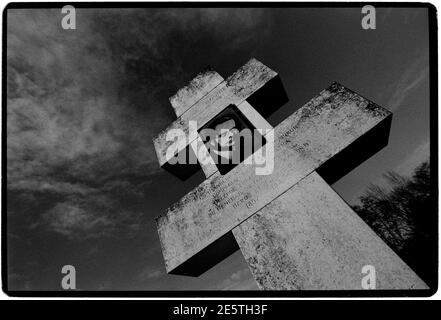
(293, 229)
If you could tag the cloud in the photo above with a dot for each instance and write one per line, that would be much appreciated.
(239, 280)
(84, 104)
(411, 78)
(420, 154)
(63, 110)
(71, 220)
(149, 274)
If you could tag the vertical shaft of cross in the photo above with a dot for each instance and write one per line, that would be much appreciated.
(310, 239)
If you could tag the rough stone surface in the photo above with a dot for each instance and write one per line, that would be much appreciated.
(318, 131)
(310, 239)
(204, 158)
(187, 96)
(254, 117)
(238, 87)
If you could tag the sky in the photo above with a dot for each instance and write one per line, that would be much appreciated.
(83, 182)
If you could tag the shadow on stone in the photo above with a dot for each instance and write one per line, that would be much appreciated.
(208, 257)
(357, 152)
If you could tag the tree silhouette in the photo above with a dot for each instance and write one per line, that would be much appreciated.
(404, 215)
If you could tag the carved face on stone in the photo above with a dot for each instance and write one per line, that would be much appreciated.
(224, 143)
(225, 138)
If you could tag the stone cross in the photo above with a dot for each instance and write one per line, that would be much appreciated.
(293, 229)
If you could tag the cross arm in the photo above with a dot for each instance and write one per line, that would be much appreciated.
(198, 87)
(252, 82)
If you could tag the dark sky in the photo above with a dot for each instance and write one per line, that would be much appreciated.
(83, 183)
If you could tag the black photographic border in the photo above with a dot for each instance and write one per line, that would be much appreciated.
(433, 85)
